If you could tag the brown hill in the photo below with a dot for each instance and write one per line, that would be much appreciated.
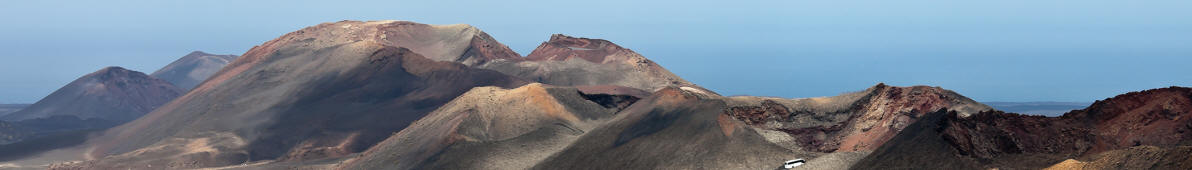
(671, 129)
(112, 94)
(321, 92)
(493, 128)
(859, 121)
(571, 61)
(190, 70)
(1154, 117)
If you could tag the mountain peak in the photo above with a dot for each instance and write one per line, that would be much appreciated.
(111, 93)
(193, 68)
(110, 69)
(563, 47)
(198, 53)
(460, 43)
(110, 72)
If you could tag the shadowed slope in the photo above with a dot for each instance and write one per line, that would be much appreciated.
(112, 93)
(322, 92)
(491, 128)
(671, 129)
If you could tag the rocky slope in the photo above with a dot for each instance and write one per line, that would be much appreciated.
(494, 128)
(572, 61)
(112, 94)
(1154, 117)
(696, 128)
(859, 121)
(1138, 157)
(671, 129)
(190, 70)
(322, 92)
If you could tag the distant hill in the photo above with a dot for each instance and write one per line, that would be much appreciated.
(9, 108)
(190, 70)
(112, 93)
(1038, 108)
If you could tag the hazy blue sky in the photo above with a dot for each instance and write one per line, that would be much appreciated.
(995, 50)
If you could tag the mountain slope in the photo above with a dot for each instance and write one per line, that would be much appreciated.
(1005, 140)
(493, 128)
(1138, 157)
(859, 121)
(322, 92)
(112, 94)
(571, 61)
(671, 129)
(190, 70)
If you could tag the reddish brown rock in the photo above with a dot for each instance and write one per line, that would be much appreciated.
(752, 115)
(1157, 117)
(562, 47)
(858, 121)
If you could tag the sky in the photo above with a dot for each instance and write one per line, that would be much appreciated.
(988, 50)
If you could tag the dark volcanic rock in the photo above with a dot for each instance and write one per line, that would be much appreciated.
(752, 115)
(611, 100)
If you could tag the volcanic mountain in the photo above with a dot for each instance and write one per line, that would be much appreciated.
(320, 92)
(571, 61)
(404, 95)
(494, 128)
(111, 94)
(190, 70)
(697, 129)
(1156, 118)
